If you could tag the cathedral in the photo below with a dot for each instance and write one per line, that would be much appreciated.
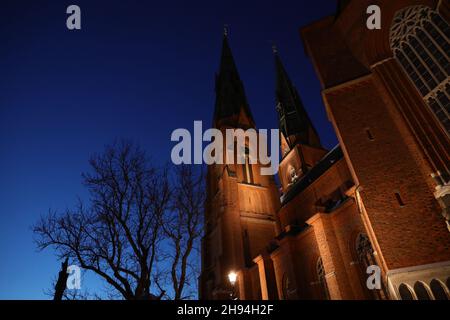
(376, 206)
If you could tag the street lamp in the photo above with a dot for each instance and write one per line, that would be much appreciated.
(232, 276)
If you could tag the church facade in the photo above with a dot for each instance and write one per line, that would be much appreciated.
(378, 203)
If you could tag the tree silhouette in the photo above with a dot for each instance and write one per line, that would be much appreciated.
(183, 226)
(60, 285)
(132, 211)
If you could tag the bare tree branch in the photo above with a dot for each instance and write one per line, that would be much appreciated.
(183, 225)
(119, 234)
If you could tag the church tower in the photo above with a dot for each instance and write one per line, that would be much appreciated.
(300, 144)
(241, 203)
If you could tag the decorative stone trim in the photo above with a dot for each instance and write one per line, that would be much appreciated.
(442, 195)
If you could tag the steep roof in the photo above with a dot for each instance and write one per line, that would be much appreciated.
(230, 93)
(293, 118)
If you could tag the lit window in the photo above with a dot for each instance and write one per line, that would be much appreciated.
(293, 177)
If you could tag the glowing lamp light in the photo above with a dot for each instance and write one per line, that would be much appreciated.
(232, 276)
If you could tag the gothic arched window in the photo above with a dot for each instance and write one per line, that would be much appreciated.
(438, 290)
(366, 258)
(405, 292)
(421, 291)
(289, 291)
(322, 280)
(420, 40)
(365, 251)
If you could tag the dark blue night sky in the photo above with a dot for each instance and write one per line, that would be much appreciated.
(136, 70)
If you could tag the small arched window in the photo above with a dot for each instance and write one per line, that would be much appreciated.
(321, 278)
(364, 250)
(421, 291)
(438, 290)
(288, 288)
(405, 292)
(420, 40)
(366, 258)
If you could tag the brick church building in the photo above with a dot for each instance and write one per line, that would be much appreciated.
(379, 198)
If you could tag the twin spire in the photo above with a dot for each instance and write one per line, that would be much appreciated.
(231, 100)
(230, 93)
(294, 122)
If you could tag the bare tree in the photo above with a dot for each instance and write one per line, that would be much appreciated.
(183, 227)
(119, 233)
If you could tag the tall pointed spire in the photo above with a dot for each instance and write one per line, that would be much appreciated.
(230, 95)
(341, 4)
(294, 121)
